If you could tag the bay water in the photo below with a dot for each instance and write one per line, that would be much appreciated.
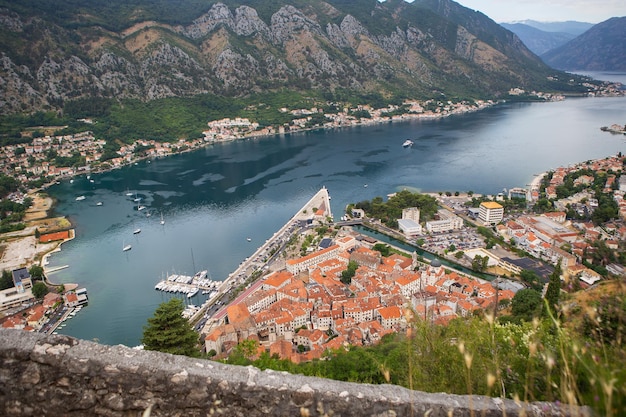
(213, 199)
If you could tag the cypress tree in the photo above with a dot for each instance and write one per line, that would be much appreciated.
(167, 331)
(554, 288)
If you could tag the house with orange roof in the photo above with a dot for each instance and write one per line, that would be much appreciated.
(390, 317)
(465, 308)
(70, 299)
(14, 322)
(321, 319)
(367, 257)
(335, 344)
(408, 283)
(51, 299)
(216, 339)
(277, 280)
(282, 348)
(260, 300)
(36, 317)
(284, 324)
(295, 291)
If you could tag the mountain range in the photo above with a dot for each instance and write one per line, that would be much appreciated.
(58, 51)
(541, 37)
(601, 48)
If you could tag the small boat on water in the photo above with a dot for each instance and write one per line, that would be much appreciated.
(136, 231)
(141, 208)
(192, 293)
(99, 203)
(249, 239)
(126, 248)
(80, 198)
(162, 221)
(407, 143)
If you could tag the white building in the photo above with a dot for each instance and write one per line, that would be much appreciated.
(447, 221)
(490, 212)
(409, 227)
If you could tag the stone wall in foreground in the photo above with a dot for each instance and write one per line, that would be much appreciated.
(57, 375)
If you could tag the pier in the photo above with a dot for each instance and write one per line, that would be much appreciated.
(55, 269)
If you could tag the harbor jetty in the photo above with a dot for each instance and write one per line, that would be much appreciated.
(318, 207)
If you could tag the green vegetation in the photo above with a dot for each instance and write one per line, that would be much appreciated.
(391, 211)
(348, 273)
(36, 272)
(167, 331)
(525, 357)
(40, 290)
(11, 213)
(8, 185)
(6, 280)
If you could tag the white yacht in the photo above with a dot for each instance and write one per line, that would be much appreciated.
(126, 248)
(80, 198)
(407, 143)
(136, 231)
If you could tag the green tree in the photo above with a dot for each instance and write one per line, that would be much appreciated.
(554, 288)
(526, 304)
(348, 273)
(385, 250)
(6, 280)
(36, 272)
(167, 331)
(40, 290)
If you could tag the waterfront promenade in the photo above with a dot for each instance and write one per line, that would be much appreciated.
(263, 258)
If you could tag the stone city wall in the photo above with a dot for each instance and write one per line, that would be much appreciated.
(54, 375)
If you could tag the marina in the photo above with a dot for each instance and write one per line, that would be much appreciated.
(189, 285)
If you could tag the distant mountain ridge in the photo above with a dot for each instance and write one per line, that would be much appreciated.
(571, 27)
(601, 48)
(57, 51)
(538, 40)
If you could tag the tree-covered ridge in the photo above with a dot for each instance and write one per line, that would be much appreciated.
(390, 211)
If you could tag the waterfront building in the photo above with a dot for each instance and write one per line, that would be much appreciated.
(19, 293)
(490, 213)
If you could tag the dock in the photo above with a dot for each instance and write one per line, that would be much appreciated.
(55, 269)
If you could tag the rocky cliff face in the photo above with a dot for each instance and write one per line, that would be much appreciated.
(417, 49)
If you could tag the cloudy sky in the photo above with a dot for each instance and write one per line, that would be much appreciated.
(592, 11)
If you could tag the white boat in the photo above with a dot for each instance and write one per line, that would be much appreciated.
(192, 293)
(141, 208)
(80, 198)
(126, 248)
(162, 221)
(249, 239)
(407, 143)
(136, 231)
(99, 203)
